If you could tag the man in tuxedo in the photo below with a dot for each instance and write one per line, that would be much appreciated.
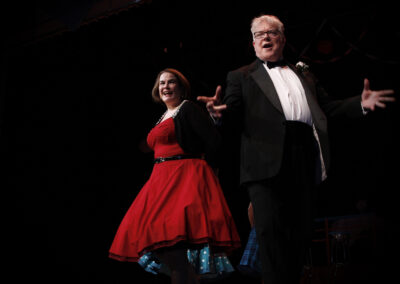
(282, 112)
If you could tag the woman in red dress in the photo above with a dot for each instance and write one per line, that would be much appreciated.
(181, 207)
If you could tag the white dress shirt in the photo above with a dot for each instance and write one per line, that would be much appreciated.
(291, 94)
(294, 102)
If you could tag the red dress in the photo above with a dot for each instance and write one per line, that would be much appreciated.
(181, 201)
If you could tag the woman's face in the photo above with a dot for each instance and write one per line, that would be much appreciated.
(169, 89)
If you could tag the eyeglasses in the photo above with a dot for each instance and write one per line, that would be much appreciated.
(270, 33)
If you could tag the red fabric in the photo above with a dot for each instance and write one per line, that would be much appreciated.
(181, 201)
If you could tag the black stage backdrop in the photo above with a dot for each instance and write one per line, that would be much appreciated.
(76, 106)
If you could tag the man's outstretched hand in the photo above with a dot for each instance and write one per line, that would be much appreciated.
(213, 104)
(371, 99)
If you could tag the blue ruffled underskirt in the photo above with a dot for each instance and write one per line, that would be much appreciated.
(205, 263)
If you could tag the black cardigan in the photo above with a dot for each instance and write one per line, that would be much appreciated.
(196, 132)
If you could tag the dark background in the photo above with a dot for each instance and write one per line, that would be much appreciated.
(76, 104)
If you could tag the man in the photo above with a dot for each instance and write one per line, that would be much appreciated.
(282, 114)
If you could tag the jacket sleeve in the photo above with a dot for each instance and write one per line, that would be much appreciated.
(196, 132)
(335, 108)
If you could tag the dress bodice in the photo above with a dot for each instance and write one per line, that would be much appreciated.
(162, 139)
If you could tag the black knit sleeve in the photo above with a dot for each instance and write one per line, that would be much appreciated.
(196, 132)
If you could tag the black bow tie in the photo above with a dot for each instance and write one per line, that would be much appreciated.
(279, 63)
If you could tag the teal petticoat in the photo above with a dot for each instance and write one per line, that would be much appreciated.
(205, 263)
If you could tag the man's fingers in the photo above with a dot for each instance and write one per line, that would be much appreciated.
(204, 99)
(387, 99)
(366, 84)
(220, 107)
(380, 104)
(386, 92)
(217, 92)
(211, 106)
(214, 99)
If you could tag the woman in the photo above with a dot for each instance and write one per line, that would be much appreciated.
(181, 209)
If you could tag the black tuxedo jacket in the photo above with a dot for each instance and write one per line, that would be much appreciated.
(254, 106)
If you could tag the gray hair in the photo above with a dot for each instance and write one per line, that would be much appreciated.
(271, 19)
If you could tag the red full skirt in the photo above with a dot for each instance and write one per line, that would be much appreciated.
(181, 201)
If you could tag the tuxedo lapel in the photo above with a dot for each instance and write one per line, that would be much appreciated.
(263, 80)
(261, 77)
(316, 111)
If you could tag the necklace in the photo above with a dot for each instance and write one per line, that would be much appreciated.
(174, 113)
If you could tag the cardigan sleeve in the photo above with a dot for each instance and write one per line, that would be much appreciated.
(196, 132)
